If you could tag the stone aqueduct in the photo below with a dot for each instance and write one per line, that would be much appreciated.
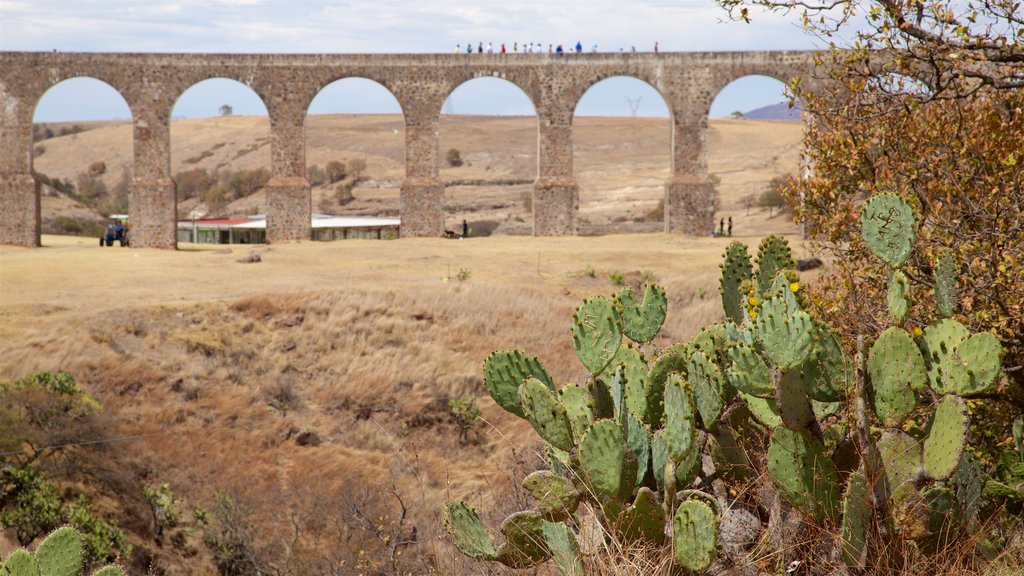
(287, 84)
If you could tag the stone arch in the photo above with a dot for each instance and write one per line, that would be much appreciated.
(223, 146)
(740, 184)
(103, 177)
(497, 172)
(504, 76)
(371, 115)
(719, 82)
(622, 160)
(650, 80)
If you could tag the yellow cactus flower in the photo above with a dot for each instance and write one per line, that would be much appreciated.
(752, 300)
(917, 331)
(753, 314)
(794, 287)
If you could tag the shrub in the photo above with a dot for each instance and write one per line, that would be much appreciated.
(454, 158)
(617, 278)
(192, 183)
(466, 414)
(335, 171)
(98, 168)
(316, 175)
(356, 167)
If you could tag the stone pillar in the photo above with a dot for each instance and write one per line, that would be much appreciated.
(153, 201)
(690, 194)
(556, 196)
(422, 192)
(19, 191)
(289, 204)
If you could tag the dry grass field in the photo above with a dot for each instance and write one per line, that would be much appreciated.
(312, 388)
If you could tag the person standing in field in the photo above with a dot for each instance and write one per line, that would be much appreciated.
(721, 227)
(730, 226)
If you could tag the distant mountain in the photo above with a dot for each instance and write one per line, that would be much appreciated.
(780, 111)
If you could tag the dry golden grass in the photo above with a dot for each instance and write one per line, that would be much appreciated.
(219, 366)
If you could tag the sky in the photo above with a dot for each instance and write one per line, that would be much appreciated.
(387, 26)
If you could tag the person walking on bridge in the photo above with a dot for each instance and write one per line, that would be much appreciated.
(579, 47)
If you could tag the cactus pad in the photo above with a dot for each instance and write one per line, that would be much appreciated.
(803, 472)
(763, 410)
(826, 373)
(937, 344)
(974, 364)
(748, 373)
(967, 482)
(579, 407)
(634, 371)
(641, 322)
(898, 296)
(706, 382)
(640, 444)
(888, 227)
(694, 535)
(546, 414)
(20, 563)
(735, 269)
(524, 540)
(680, 421)
(787, 339)
(596, 333)
(467, 531)
(644, 519)
(945, 275)
(60, 554)
(791, 401)
(505, 370)
(773, 256)
(565, 551)
(672, 361)
(602, 455)
(901, 459)
(556, 497)
(856, 519)
(946, 439)
(896, 369)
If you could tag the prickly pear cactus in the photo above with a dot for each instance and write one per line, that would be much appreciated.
(642, 322)
(898, 296)
(945, 276)
(505, 370)
(694, 535)
(773, 256)
(735, 270)
(803, 472)
(59, 554)
(947, 439)
(468, 532)
(888, 228)
(596, 333)
(896, 371)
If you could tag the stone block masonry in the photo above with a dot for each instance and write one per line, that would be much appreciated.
(287, 83)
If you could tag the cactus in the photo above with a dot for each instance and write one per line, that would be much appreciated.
(556, 497)
(505, 370)
(596, 333)
(826, 373)
(634, 371)
(791, 401)
(898, 297)
(975, 364)
(786, 339)
(680, 430)
(888, 228)
(773, 256)
(735, 269)
(640, 444)
(673, 360)
(644, 519)
(802, 471)
(902, 460)
(694, 535)
(642, 322)
(579, 407)
(947, 438)
(565, 551)
(944, 274)
(896, 370)
(524, 545)
(602, 455)
(748, 373)
(467, 531)
(705, 380)
(856, 520)
(763, 410)
(59, 554)
(546, 414)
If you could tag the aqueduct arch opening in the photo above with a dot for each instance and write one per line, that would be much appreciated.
(622, 156)
(96, 136)
(355, 148)
(488, 153)
(214, 173)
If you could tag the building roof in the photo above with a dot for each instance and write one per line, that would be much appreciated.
(259, 222)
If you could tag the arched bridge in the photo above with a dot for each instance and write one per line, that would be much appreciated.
(152, 83)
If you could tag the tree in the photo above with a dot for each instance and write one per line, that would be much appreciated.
(226, 110)
(356, 167)
(772, 196)
(953, 47)
(924, 102)
(335, 171)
